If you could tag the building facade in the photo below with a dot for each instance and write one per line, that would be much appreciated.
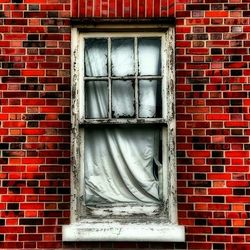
(212, 96)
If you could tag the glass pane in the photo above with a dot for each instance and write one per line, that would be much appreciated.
(96, 54)
(149, 56)
(122, 55)
(150, 98)
(96, 99)
(122, 166)
(123, 98)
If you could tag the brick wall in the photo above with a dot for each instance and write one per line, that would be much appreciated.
(212, 55)
(213, 122)
(34, 113)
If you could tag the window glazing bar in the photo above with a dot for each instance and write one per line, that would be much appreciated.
(125, 121)
(109, 79)
(136, 78)
(122, 77)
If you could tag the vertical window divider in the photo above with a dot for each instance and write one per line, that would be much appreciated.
(136, 77)
(82, 79)
(109, 79)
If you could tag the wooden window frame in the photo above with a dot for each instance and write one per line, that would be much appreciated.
(165, 226)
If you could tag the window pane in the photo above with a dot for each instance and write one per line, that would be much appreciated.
(149, 56)
(150, 98)
(96, 99)
(123, 98)
(122, 54)
(122, 165)
(96, 54)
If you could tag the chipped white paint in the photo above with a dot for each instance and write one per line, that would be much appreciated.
(126, 210)
(171, 142)
(75, 157)
(162, 224)
(123, 230)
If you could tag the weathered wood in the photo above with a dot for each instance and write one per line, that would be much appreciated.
(167, 211)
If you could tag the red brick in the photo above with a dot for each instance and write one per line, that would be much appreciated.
(237, 154)
(240, 124)
(33, 102)
(10, 109)
(33, 72)
(198, 153)
(220, 191)
(14, 124)
(220, 238)
(33, 131)
(219, 176)
(217, 29)
(212, 95)
(237, 199)
(223, 117)
(156, 8)
(142, 6)
(216, 14)
(12, 198)
(32, 160)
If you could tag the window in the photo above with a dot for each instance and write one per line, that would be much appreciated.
(123, 135)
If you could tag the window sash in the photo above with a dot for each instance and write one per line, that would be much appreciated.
(162, 122)
(112, 120)
(78, 210)
(129, 209)
(107, 121)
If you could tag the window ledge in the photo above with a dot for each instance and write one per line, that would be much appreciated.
(121, 230)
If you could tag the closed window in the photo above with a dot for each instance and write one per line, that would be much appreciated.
(123, 108)
(123, 139)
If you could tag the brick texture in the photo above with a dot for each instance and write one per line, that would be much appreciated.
(34, 114)
(213, 104)
(123, 8)
(212, 124)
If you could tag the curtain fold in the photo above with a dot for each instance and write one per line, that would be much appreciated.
(119, 165)
(122, 164)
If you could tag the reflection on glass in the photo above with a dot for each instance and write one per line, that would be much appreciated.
(122, 55)
(96, 99)
(149, 98)
(96, 53)
(149, 56)
(122, 98)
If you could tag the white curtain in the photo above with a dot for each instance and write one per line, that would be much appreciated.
(121, 163)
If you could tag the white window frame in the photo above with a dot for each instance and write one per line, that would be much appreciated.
(145, 228)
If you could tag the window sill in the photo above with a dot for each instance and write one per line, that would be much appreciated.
(121, 230)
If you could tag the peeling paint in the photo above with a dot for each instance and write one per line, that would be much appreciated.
(120, 230)
(167, 211)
